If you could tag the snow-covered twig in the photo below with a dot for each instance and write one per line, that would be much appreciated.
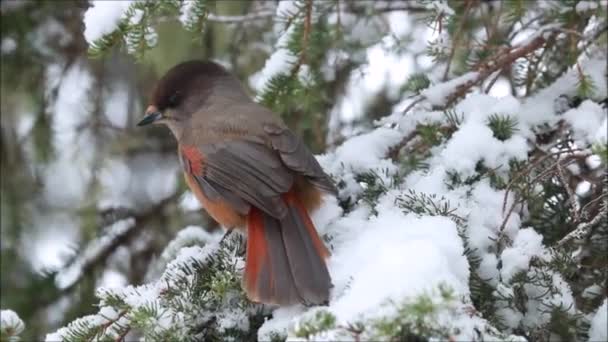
(585, 229)
(126, 227)
(412, 104)
(494, 65)
(574, 207)
(10, 325)
(531, 167)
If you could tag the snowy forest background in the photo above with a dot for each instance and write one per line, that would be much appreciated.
(468, 140)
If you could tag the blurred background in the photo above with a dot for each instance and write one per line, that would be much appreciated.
(87, 198)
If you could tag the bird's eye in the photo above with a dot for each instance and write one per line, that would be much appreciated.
(173, 99)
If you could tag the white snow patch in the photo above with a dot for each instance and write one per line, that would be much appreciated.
(437, 94)
(586, 121)
(103, 17)
(527, 243)
(370, 273)
(68, 276)
(10, 323)
(8, 45)
(475, 142)
(584, 6)
(599, 324)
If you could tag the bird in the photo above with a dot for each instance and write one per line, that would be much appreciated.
(249, 171)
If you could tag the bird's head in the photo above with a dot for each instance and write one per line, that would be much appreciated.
(183, 91)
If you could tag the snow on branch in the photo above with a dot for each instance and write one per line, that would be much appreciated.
(11, 326)
(444, 94)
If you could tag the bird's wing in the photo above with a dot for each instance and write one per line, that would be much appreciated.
(297, 157)
(241, 173)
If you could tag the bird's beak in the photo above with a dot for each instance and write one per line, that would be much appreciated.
(152, 115)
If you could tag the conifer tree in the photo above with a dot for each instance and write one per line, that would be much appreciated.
(514, 186)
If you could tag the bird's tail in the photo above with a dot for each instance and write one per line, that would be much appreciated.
(285, 258)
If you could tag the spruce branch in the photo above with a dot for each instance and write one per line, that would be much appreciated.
(552, 170)
(499, 62)
(455, 40)
(537, 162)
(120, 238)
(585, 229)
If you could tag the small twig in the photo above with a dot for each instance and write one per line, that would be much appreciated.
(593, 201)
(497, 63)
(456, 38)
(491, 84)
(121, 337)
(226, 235)
(539, 177)
(105, 326)
(584, 229)
(574, 207)
(307, 29)
(393, 152)
(305, 38)
(524, 26)
(528, 169)
(118, 240)
(412, 104)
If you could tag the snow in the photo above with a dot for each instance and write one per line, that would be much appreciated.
(593, 161)
(117, 104)
(189, 202)
(112, 278)
(114, 177)
(278, 63)
(282, 59)
(282, 320)
(10, 323)
(103, 17)
(386, 253)
(71, 139)
(186, 14)
(286, 7)
(584, 6)
(369, 246)
(365, 276)
(587, 121)
(440, 6)
(191, 235)
(601, 136)
(540, 107)
(582, 189)
(8, 45)
(400, 23)
(51, 246)
(233, 319)
(599, 324)
(516, 258)
(375, 145)
(66, 277)
(475, 142)
(437, 94)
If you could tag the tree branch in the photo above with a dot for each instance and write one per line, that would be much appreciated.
(495, 64)
(120, 238)
(586, 228)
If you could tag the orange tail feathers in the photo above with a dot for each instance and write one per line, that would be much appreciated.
(285, 258)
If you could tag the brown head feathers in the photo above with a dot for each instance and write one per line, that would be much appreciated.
(186, 79)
